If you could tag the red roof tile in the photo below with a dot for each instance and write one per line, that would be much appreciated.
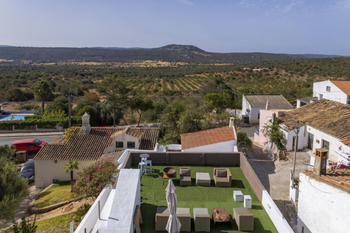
(343, 85)
(338, 178)
(207, 137)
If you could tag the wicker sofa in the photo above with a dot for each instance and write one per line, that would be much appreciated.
(222, 177)
(162, 216)
(244, 219)
(185, 176)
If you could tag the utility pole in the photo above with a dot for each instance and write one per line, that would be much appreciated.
(69, 110)
(296, 130)
(235, 104)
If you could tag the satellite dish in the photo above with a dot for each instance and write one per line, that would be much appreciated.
(247, 110)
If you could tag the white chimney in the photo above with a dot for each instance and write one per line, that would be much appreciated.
(231, 124)
(86, 128)
(267, 105)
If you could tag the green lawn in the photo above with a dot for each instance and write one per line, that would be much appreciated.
(57, 224)
(153, 195)
(55, 194)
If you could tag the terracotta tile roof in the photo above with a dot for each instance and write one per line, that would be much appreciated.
(346, 142)
(90, 147)
(338, 178)
(326, 115)
(275, 101)
(207, 137)
(130, 131)
(343, 85)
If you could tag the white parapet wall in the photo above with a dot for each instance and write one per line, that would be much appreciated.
(322, 208)
(92, 215)
(275, 214)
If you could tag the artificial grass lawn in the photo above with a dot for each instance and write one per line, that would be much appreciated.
(57, 224)
(153, 196)
(55, 194)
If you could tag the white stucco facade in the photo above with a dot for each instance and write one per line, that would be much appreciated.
(322, 208)
(125, 138)
(253, 113)
(289, 137)
(321, 91)
(228, 146)
(47, 170)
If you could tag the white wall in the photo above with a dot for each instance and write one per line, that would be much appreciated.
(46, 170)
(275, 214)
(217, 147)
(245, 106)
(334, 143)
(321, 207)
(335, 94)
(302, 138)
(126, 138)
(91, 216)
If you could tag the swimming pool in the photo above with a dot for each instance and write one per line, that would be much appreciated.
(9, 117)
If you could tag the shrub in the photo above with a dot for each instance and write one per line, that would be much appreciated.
(27, 106)
(25, 227)
(81, 212)
(94, 178)
(242, 138)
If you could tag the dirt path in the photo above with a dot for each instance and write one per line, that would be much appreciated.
(23, 209)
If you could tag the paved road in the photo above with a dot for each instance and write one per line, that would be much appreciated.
(10, 140)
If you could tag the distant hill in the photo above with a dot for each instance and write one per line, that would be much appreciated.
(319, 55)
(170, 53)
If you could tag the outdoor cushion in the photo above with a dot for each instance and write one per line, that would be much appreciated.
(185, 171)
(221, 173)
(185, 178)
(221, 179)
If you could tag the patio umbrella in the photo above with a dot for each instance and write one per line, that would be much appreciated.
(173, 225)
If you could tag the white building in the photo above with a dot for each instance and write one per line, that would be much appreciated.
(252, 104)
(222, 139)
(336, 90)
(322, 124)
(86, 145)
(324, 202)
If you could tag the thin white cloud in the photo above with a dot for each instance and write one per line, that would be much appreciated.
(185, 2)
(290, 6)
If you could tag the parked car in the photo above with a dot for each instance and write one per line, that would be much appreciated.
(28, 170)
(28, 144)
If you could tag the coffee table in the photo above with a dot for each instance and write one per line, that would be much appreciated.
(203, 178)
(221, 210)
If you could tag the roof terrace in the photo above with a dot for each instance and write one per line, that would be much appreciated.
(267, 217)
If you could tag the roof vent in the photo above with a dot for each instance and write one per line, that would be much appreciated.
(267, 105)
(86, 128)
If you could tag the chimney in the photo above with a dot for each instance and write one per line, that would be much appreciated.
(86, 128)
(267, 105)
(232, 120)
(320, 165)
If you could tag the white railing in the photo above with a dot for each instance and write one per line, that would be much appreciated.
(92, 215)
(275, 214)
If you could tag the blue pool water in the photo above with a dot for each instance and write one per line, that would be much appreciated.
(15, 117)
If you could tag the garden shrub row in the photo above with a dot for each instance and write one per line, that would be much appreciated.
(32, 121)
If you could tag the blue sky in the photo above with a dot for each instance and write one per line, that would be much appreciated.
(275, 26)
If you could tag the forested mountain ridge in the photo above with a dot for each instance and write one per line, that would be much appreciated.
(169, 53)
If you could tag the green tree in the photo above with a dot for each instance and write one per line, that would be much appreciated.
(141, 104)
(13, 188)
(42, 91)
(25, 227)
(15, 94)
(7, 152)
(116, 94)
(71, 166)
(60, 103)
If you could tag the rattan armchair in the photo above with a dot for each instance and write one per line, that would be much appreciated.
(222, 177)
(201, 219)
(162, 216)
(185, 176)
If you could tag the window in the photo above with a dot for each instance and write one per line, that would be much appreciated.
(131, 144)
(30, 145)
(37, 142)
(119, 144)
(328, 88)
